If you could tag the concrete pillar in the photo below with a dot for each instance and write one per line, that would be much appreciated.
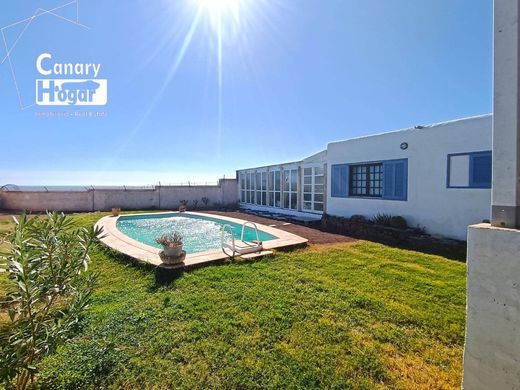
(505, 211)
(492, 350)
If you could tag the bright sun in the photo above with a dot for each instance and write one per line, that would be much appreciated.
(221, 8)
(218, 5)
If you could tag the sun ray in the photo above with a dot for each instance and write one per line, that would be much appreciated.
(178, 60)
(224, 23)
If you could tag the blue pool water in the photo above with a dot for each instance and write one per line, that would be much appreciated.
(200, 233)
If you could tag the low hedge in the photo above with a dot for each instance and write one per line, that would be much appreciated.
(404, 237)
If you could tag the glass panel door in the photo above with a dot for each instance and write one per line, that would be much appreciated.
(313, 189)
(242, 187)
(263, 189)
(274, 189)
(250, 182)
(290, 189)
(258, 188)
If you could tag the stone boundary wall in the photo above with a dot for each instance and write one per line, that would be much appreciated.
(406, 238)
(225, 193)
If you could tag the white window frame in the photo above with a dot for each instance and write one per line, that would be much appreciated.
(261, 187)
(271, 187)
(312, 194)
(291, 190)
(250, 189)
(242, 184)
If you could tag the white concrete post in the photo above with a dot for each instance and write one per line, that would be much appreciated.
(492, 350)
(505, 211)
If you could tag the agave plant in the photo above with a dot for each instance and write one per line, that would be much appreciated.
(382, 219)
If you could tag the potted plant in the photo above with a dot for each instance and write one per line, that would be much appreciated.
(116, 211)
(172, 244)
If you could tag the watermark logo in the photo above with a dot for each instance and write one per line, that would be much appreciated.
(64, 85)
(70, 91)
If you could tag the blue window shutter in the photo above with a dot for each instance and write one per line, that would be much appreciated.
(334, 180)
(401, 179)
(344, 180)
(339, 181)
(395, 179)
(480, 170)
(388, 179)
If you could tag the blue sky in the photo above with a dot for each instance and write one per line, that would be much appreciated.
(294, 75)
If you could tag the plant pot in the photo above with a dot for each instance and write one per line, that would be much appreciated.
(182, 209)
(116, 211)
(175, 251)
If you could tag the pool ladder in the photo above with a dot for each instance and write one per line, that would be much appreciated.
(240, 247)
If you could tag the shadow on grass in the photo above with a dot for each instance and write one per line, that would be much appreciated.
(165, 276)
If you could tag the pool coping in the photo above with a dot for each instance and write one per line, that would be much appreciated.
(115, 239)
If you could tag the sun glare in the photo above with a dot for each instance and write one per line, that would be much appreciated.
(219, 5)
(222, 11)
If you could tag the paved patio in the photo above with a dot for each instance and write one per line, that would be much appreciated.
(314, 236)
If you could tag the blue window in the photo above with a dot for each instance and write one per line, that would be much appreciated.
(469, 170)
(366, 180)
(395, 179)
(383, 180)
(339, 181)
(480, 170)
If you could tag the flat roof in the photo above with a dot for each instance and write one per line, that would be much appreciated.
(415, 128)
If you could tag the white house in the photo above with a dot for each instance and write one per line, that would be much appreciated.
(437, 177)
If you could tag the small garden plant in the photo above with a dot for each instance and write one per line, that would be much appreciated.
(397, 222)
(170, 240)
(47, 291)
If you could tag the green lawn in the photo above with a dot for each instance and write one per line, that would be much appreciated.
(359, 315)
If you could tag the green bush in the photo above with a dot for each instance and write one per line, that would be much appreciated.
(46, 293)
(398, 222)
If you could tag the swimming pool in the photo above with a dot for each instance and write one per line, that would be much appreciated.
(200, 232)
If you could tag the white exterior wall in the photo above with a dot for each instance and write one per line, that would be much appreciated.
(444, 211)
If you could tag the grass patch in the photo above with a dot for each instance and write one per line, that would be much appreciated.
(351, 315)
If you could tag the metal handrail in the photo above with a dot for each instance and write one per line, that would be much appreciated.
(249, 246)
(223, 231)
(244, 228)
